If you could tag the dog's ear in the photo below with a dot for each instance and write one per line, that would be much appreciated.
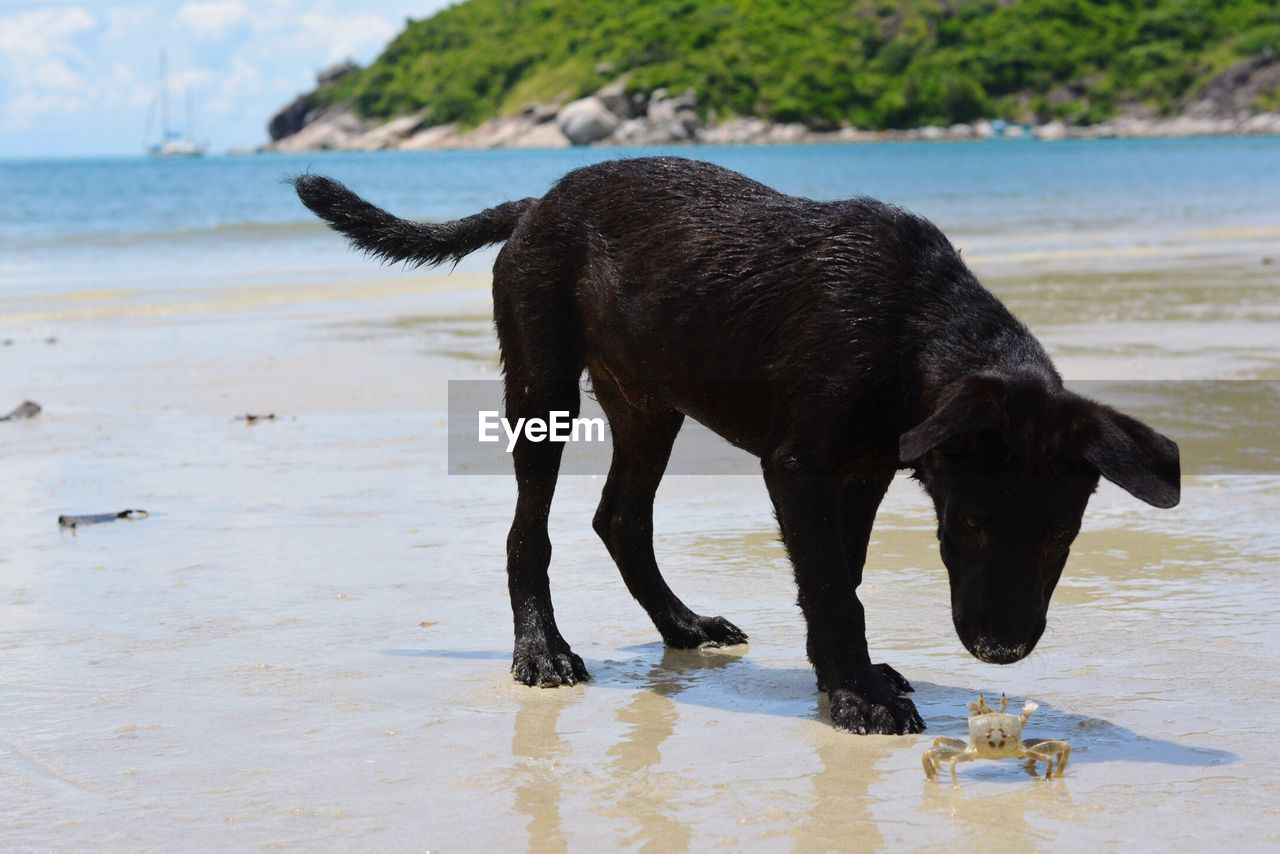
(969, 405)
(1134, 457)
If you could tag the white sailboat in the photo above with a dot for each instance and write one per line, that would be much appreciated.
(172, 143)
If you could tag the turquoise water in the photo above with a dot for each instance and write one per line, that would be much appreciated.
(72, 223)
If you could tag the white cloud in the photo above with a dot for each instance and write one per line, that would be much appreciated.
(41, 62)
(122, 87)
(125, 21)
(236, 87)
(212, 19)
(343, 36)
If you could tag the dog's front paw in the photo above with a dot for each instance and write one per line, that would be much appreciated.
(873, 708)
(896, 680)
(703, 631)
(537, 662)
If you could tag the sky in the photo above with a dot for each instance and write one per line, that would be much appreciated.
(79, 77)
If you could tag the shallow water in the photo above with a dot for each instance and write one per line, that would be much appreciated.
(306, 644)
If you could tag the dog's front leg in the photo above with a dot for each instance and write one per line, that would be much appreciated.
(805, 497)
(860, 498)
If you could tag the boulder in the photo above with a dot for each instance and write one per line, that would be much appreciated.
(388, 135)
(540, 113)
(586, 121)
(1267, 123)
(617, 101)
(673, 119)
(542, 135)
(503, 132)
(495, 133)
(522, 131)
(1051, 131)
(736, 131)
(436, 137)
(787, 133)
(335, 72)
(632, 132)
(290, 119)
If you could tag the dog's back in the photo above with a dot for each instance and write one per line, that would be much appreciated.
(688, 280)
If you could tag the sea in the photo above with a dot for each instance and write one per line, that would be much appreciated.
(76, 224)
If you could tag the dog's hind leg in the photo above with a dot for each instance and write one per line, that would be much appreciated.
(542, 364)
(642, 443)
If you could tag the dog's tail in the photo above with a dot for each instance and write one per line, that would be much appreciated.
(392, 239)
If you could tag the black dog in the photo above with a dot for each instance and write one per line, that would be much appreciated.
(838, 342)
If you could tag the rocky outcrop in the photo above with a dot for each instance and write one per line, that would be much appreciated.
(295, 116)
(615, 115)
(291, 118)
(658, 120)
(533, 128)
(389, 135)
(1233, 93)
(329, 129)
(620, 102)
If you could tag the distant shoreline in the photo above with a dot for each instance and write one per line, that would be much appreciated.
(780, 135)
(595, 122)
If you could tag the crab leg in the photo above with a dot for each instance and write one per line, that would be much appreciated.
(1046, 750)
(967, 756)
(939, 753)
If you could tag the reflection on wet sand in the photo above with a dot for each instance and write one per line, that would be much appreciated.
(643, 794)
(1003, 820)
(841, 817)
(537, 743)
(633, 786)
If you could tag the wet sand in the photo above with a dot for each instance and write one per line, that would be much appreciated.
(307, 643)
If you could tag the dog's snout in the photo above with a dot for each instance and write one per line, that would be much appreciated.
(999, 617)
(996, 652)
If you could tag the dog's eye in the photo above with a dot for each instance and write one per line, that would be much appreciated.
(970, 522)
(1063, 535)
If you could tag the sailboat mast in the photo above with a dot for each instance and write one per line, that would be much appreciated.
(164, 95)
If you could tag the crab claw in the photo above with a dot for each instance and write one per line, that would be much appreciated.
(1027, 710)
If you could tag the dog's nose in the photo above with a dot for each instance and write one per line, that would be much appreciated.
(996, 652)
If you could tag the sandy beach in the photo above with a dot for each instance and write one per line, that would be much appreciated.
(307, 643)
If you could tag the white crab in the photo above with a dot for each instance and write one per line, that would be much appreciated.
(997, 735)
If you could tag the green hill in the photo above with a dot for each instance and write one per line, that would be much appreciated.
(826, 63)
